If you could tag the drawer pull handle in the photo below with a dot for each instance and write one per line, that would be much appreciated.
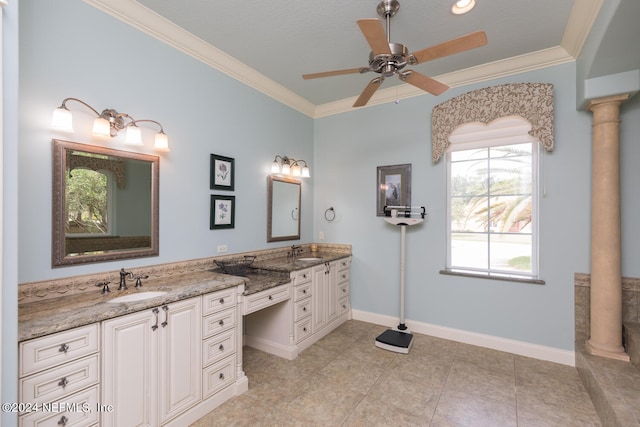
(304, 276)
(221, 300)
(63, 421)
(63, 382)
(344, 306)
(155, 311)
(64, 348)
(221, 376)
(221, 323)
(166, 316)
(304, 308)
(304, 329)
(304, 291)
(270, 298)
(221, 348)
(344, 290)
(344, 276)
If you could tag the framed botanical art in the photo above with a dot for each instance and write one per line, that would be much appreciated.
(223, 212)
(393, 187)
(222, 173)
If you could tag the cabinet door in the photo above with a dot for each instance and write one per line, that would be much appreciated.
(319, 297)
(130, 370)
(180, 357)
(332, 291)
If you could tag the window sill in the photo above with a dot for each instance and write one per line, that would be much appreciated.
(493, 277)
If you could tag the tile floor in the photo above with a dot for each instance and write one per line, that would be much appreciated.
(345, 380)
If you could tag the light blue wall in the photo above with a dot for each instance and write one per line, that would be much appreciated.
(70, 49)
(349, 147)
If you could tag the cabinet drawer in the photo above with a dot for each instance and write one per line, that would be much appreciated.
(51, 350)
(81, 411)
(218, 376)
(55, 383)
(301, 309)
(302, 276)
(302, 329)
(344, 264)
(218, 347)
(343, 289)
(266, 298)
(301, 292)
(217, 301)
(218, 322)
(343, 305)
(344, 276)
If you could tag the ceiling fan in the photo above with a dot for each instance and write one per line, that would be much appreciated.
(388, 58)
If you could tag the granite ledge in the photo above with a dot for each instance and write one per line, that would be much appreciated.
(39, 318)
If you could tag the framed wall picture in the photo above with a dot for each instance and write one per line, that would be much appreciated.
(222, 173)
(394, 187)
(223, 212)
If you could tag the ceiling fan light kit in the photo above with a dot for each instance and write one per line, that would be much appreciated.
(388, 59)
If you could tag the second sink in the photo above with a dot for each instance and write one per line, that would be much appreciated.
(309, 260)
(138, 296)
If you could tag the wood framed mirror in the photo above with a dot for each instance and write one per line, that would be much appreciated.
(105, 204)
(283, 210)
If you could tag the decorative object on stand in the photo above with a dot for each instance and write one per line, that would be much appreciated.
(109, 123)
(388, 59)
(223, 212)
(222, 173)
(399, 339)
(394, 187)
(289, 166)
(330, 214)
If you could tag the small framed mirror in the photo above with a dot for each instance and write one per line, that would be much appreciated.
(105, 204)
(283, 210)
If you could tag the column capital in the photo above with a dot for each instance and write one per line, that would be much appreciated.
(607, 100)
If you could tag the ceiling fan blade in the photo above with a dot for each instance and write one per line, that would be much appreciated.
(368, 92)
(334, 73)
(457, 45)
(373, 31)
(423, 82)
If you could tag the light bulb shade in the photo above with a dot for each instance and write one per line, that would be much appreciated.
(62, 119)
(161, 142)
(286, 169)
(101, 127)
(295, 170)
(275, 167)
(134, 136)
(305, 172)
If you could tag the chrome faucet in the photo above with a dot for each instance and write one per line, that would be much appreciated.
(123, 279)
(105, 286)
(139, 280)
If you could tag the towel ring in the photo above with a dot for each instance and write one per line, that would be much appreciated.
(294, 214)
(330, 214)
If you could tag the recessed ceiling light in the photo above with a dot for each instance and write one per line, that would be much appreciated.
(463, 6)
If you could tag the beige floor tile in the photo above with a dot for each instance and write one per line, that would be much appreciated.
(473, 410)
(373, 412)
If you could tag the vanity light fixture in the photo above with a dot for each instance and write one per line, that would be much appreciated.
(289, 166)
(463, 6)
(109, 123)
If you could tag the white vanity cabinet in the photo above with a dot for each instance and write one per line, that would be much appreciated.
(62, 367)
(151, 368)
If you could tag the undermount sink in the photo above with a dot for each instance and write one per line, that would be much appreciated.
(138, 296)
(308, 260)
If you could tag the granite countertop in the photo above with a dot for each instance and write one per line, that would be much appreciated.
(48, 316)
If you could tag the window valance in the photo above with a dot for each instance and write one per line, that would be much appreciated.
(533, 101)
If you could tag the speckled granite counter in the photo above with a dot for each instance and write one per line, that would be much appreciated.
(78, 302)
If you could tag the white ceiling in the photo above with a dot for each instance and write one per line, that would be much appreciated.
(270, 44)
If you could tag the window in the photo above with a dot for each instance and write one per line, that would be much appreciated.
(89, 202)
(492, 199)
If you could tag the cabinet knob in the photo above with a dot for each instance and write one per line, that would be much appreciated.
(221, 323)
(63, 421)
(221, 348)
(63, 348)
(304, 329)
(304, 308)
(270, 298)
(304, 291)
(304, 276)
(221, 376)
(63, 382)
(221, 300)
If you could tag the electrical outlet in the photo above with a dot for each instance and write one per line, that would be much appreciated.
(222, 248)
(321, 235)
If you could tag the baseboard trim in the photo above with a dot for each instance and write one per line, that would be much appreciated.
(284, 351)
(521, 348)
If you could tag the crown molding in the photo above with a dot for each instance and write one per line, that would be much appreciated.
(582, 17)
